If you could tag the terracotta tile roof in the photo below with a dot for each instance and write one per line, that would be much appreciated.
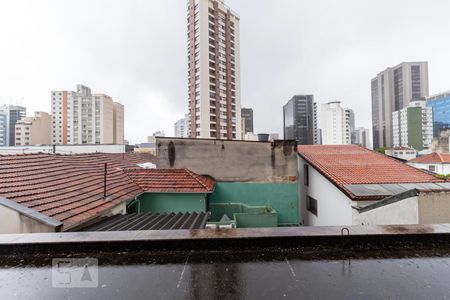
(432, 158)
(170, 180)
(352, 164)
(68, 188)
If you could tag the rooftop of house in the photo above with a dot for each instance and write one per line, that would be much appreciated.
(170, 180)
(67, 190)
(363, 174)
(432, 158)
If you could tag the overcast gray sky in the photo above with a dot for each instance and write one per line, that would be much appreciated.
(135, 51)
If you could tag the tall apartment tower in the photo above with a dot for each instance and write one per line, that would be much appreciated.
(300, 120)
(84, 118)
(247, 117)
(213, 70)
(10, 114)
(335, 122)
(392, 90)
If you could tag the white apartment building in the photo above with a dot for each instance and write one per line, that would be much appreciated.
(412, 126)
(34, 130)
(84, 118)
(213, 70)
(182, 127)
(335, 120)
(392, 90)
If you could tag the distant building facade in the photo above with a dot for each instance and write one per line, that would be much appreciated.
(213, 70)
(274, 136)
(412, 126)
(404, 153)
(3, 129)
(300, 120)
(10, 114)
(362, 137)
(152, 139)
(335, 122)
(84, 118)
(119, 124)
(440, 104)
(352, 125)
(392, 90)
(182, 127)
(247, 119)
(34, 130)
(441, 144)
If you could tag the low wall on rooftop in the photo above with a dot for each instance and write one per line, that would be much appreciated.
(231, 161)
(282, 197)
(171, 202)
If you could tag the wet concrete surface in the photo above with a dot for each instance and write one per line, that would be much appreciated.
(307, 273)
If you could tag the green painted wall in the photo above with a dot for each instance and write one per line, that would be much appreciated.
(415, 128)
(172, 202)
(283, 197)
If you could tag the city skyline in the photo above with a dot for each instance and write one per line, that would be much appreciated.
(149, 77)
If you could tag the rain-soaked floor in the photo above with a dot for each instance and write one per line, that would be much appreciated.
(271, 274)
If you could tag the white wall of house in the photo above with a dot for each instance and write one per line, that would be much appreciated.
(439, 168)
(402, 212)
(12, 221)
(333, 206)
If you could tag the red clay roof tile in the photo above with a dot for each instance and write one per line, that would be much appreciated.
(170, 180)
(432, 158)
(352, 164)
(69, 188)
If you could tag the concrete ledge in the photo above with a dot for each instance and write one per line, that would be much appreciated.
(223, 239)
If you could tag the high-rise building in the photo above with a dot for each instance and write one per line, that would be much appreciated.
(84, 118)
(335, 122)
(392, 90)
(440, 104)
(300, 120)
(11, 114)
(352, 125)
(182, 127)
(362, 137)
(412, 126)
(247, 120)
(3, 131)
(34, 130)
(213, 70)
(119, 124)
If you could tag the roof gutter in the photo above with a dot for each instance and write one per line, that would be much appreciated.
(31, 213)
(388, 200)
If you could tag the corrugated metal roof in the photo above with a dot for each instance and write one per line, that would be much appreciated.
(392, 189)
(151, 221)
